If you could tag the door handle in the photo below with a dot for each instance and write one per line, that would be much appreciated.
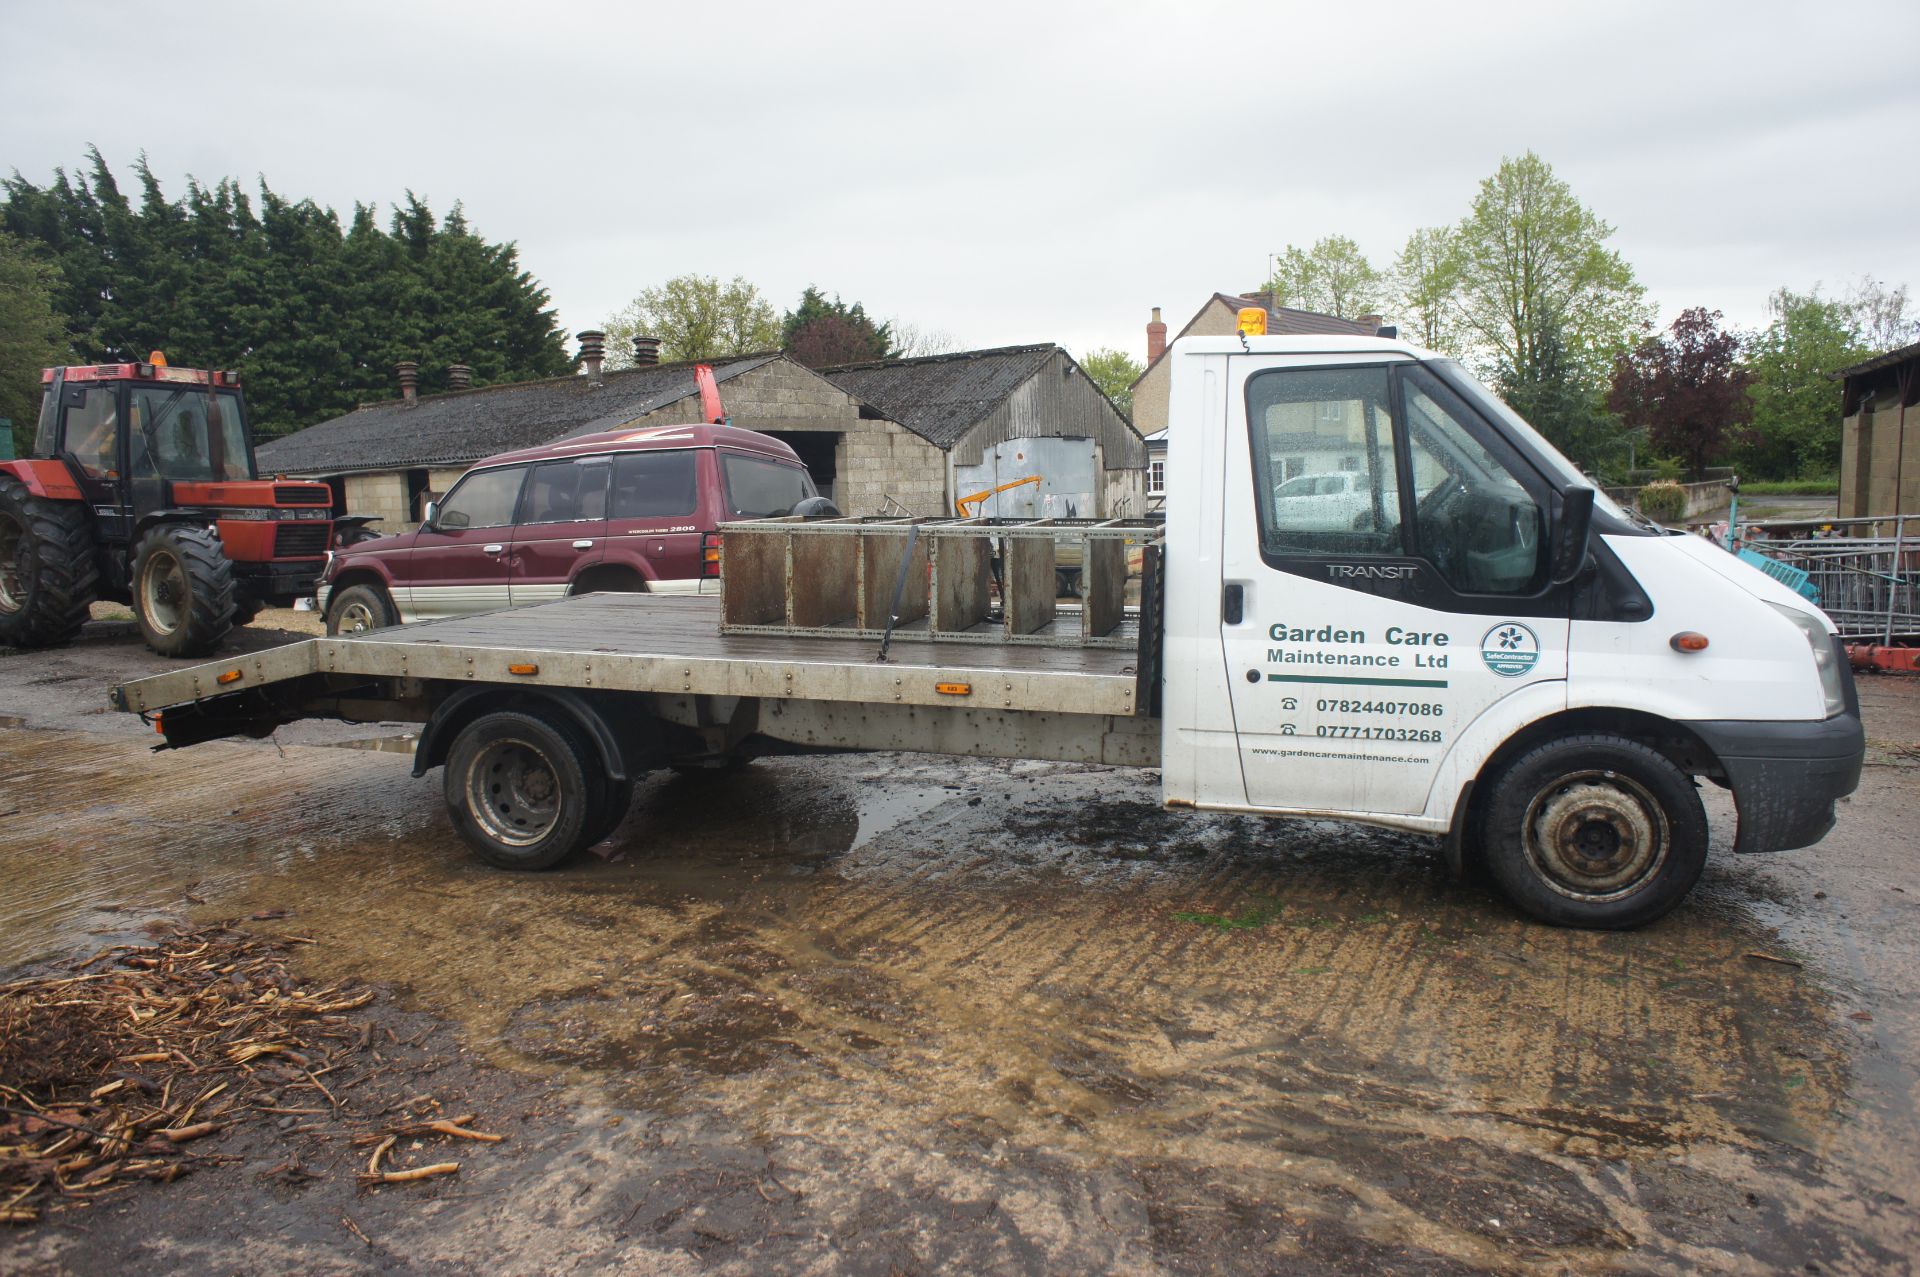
(583, 545)
(1233, 604)
(492, 549)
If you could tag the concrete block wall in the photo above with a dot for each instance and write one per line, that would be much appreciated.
(382, 493)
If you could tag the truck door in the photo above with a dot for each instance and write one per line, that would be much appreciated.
(561, 530)
(1370, 618)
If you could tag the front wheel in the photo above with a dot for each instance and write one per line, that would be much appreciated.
(182, 590)
(1594, 831)
(523, 791)
(358, 608)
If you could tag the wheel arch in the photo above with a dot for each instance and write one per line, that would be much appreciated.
(1676, 742)
(359, 574)
(588, 578)
(468, 703)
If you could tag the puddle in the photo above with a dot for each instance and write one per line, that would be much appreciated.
(403, 744)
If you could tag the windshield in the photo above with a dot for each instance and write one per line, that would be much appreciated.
(1544, 452)
(183, 432)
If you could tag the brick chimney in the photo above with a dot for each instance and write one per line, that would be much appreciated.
(593, 350)
(459, 377)
(409, 373)
(1156, 337)
(646, 351)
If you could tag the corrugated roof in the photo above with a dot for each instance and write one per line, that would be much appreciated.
(465, 425)
(941, 397)
(1888, 360)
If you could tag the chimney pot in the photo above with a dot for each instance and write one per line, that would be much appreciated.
(409, 373)
(459, 377)
(646, 350)
(1156, 337)
(593, 349)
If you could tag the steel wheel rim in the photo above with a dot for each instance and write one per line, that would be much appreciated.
(1596, 835)
(14, 548)
(164, 592)
(355, 617)
(513, 791)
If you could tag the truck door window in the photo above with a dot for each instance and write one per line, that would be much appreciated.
(1472, 519)
(482, 500)
(655, 485)
(1324, 475)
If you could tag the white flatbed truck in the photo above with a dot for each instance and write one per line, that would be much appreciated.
(1477, 647)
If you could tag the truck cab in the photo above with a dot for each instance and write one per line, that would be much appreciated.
(1479, 646)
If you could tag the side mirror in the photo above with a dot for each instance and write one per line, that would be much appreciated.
(1570, 534)
(428, 515)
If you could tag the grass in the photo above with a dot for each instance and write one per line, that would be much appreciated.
(1252, 918)
(1790, 488)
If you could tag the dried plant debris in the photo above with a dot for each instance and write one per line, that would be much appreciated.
(113, 1069)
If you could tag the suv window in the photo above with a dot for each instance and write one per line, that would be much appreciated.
(482, 500)
(758, 489)
(655, 485)
(566, 492)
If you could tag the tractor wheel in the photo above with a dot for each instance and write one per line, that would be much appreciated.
(245, 607)
(182, 590)
(47, 568)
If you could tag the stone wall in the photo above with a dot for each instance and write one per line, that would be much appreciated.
(1872, 457)
(382, 493)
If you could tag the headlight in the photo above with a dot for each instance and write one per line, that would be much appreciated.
(1825, 659)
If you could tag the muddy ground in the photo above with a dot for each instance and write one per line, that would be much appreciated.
(896, 1014)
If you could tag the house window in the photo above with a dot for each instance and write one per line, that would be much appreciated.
(1157, 477)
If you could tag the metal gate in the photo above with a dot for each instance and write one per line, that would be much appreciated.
(1867, 572)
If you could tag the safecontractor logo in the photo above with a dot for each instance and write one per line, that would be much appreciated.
(1510, 649)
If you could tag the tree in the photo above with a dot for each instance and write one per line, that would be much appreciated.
(1528, 260)
(1114, 371)
(821, 332)
(1333, 277)
(1795, 428)
(1425, 280)
(32, 335)
(914, 342)
(695, 317)
(1687, 389)
(1881, 316)
(1562, 402)
(313, 317)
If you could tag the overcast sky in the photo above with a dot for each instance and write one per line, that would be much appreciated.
(1012, 173)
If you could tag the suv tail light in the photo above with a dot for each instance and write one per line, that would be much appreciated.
(710, 554)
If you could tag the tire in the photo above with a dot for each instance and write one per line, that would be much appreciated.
(245, 607)
(183, 593)
(359, 608)
(1594, 831)
(47, 570)
(615, 803)
(524, 792)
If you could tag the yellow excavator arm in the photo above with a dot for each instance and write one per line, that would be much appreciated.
(966, 507)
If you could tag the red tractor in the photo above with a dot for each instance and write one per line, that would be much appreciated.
(142, 490)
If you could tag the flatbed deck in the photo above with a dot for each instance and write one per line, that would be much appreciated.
(673, 645)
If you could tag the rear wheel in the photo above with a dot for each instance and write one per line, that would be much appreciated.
(182, 590)
(1594, 831)
(523, 791)
(614, 806)
(47, 569)
(358, 608)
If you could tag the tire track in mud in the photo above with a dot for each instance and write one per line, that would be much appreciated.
(1355, 1062)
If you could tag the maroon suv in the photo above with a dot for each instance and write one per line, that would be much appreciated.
(624, 510)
